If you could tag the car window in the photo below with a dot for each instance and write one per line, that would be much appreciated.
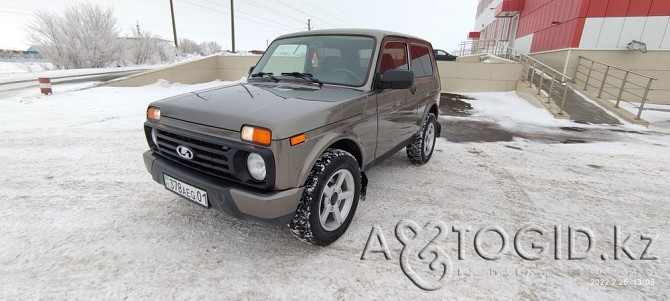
(421, 63)
(394, 56)
(440, 52)
(364, 57)
(287, 57)
(332, 59)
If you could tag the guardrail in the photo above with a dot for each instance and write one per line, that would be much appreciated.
(614, 81)
(9, 85)
(548, 81)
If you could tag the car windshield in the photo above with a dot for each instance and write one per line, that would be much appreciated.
(329, 59)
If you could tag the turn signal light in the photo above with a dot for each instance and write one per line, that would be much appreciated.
(154, 113)
(297, 139)
(256, 135)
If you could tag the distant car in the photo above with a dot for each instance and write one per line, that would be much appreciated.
(441, 55)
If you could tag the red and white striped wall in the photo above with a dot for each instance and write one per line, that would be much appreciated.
(545, 25)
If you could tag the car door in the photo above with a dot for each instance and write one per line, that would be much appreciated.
(425, 79)
(396, 113)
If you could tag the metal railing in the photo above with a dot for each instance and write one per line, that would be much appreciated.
(548, 81)
(620, 83)
(474, 47)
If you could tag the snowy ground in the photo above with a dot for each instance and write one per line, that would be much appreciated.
(82, 219)
(22, 66)
(658, 115)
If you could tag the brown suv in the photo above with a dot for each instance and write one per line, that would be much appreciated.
(291, 145)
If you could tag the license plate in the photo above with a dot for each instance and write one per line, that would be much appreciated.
(188, 191)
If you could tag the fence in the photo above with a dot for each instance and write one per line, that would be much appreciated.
(619, 83)
(548, 81)
(474, 47)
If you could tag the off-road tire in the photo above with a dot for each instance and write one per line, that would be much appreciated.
(306, 224)
(416, 150)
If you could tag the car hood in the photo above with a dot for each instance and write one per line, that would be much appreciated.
(285, 108)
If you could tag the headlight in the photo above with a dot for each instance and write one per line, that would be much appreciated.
(256, 135)
(256, 166)
(154, 137)
(154, 114)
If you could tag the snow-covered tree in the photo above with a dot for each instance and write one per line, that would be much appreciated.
(209, 48)
(144, 47)
(188, 46)
(84, 36)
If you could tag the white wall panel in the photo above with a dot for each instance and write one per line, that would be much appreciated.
(666, 38)
(523, 44)
(632, 30)
(592, 28)
(654, 31)
(488, 16)
(611, 32)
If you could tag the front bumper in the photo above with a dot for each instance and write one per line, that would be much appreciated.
(277, 207)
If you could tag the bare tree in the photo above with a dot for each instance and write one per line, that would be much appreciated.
(166, 52)
(188, 46)
(144, 47)
(209, 48)
(85, 36)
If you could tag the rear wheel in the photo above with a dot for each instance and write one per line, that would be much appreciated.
(330, 199)
(420, 150)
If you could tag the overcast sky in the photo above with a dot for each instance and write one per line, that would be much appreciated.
(444, 23)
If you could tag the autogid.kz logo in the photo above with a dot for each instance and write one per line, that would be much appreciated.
(414, 238)
(424, 261)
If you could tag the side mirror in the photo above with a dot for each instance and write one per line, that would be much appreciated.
(251, 69)
(396, 79)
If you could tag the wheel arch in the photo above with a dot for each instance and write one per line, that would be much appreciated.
(434, 109)
(338, 141)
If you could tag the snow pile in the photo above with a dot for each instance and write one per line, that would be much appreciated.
(657, 115)
(510, 111)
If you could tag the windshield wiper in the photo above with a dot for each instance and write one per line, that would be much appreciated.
(307, 76)
(268, 74)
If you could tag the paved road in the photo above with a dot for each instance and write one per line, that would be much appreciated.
(70, 79)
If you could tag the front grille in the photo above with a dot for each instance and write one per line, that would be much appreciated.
(214, 156)
(211, 158)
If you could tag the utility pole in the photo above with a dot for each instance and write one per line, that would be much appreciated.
(309, 24)
(174, 27)
(232, 24)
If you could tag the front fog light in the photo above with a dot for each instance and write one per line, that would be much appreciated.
(256, 166)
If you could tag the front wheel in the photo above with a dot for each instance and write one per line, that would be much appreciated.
(330, 199)
(420, 149)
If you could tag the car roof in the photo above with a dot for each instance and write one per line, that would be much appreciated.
(379, 34)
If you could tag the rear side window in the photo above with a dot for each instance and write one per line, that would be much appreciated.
(394, 56)
(421, 64)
